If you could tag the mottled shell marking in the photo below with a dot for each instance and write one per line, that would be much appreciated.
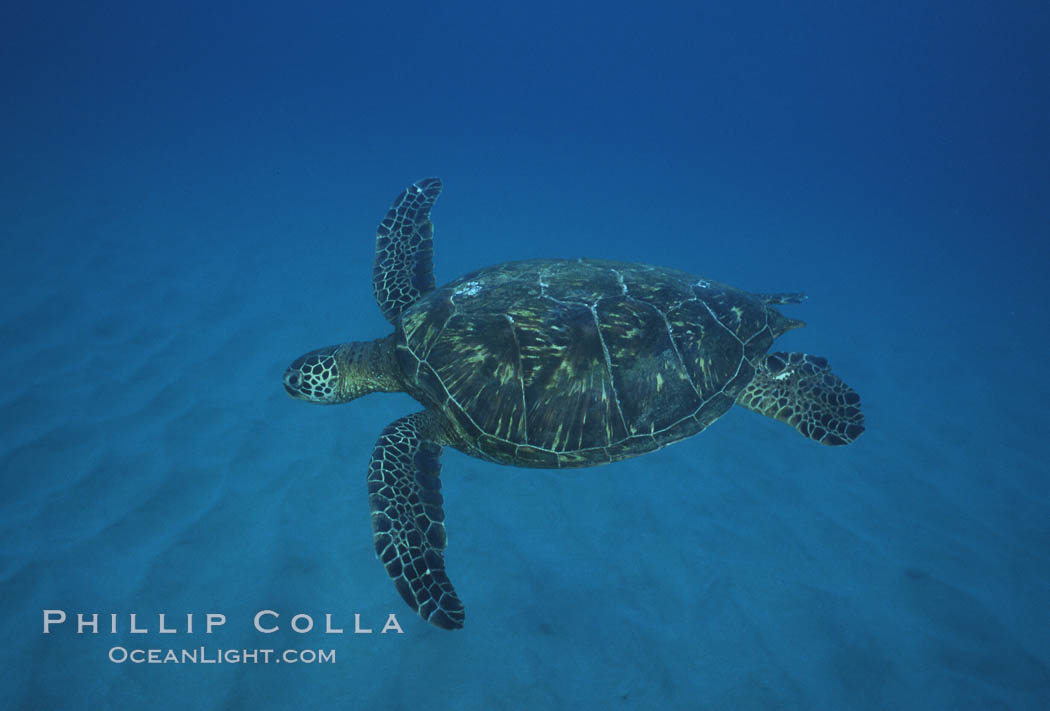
(593, 360)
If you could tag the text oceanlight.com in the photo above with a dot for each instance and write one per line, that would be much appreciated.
(202, 655)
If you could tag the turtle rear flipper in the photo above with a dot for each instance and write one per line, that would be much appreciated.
(800, 390)
(408, 526)
(404, 264)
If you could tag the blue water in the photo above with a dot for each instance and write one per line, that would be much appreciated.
(188, 202)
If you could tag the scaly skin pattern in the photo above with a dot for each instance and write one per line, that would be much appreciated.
(408, 519)
(337, 374)
(404, 262)
(800, 390)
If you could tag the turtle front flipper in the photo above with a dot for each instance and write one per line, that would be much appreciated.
(407, 518)
(404, 263)
(800, 390)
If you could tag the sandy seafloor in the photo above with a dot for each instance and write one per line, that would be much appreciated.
(156, 279)
(153, 463)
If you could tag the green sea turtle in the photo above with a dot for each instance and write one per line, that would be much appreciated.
(549, 363)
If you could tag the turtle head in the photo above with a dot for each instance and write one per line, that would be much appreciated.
(342, 373)
(315, 377)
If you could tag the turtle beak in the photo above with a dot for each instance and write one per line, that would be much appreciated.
(292, 379)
